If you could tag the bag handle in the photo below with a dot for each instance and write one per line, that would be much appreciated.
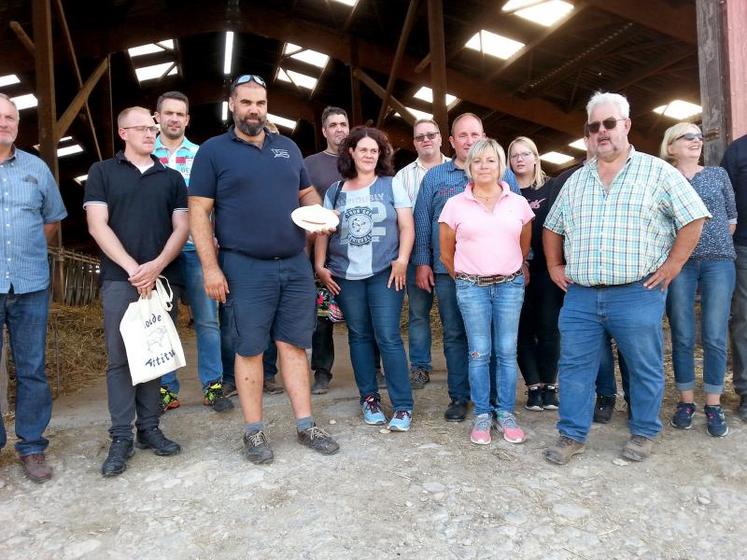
(164, 293)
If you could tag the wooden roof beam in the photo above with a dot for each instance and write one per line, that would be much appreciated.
(658, 15)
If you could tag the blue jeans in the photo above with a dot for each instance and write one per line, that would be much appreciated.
(26, 318)
(632, 315)
(420, 303)
(454, 339)
(205, 315)
(606, 385)
(372, 312)
(715, 278)
(491, 318)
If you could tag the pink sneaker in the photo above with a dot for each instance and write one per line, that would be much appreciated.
(481, 430)
(506, 423)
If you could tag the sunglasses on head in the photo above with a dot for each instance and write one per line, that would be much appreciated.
(609, 124)
(246, 78)
(690, 136)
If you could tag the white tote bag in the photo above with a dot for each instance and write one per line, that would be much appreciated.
(150, 337)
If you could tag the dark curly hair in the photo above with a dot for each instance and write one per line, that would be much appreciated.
(345, 163)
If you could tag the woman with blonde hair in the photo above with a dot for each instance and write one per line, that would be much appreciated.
(484, 233)
(709, 270)
(539, 339)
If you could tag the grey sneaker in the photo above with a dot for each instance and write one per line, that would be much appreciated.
(563, 450)
(638, 448)
(419, 378)
(257, 448)
(317, 439)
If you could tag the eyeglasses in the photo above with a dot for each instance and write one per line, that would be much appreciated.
(690, 136)
(246, 78)
(522, 155)
(609, 124)
(428, 135)
(142, 129)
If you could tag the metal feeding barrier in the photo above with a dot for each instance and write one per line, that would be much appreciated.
(80, 275)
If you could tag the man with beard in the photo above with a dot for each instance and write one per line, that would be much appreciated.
(175, 151)
(253, 180)
(625, 222)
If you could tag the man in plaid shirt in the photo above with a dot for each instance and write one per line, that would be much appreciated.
(626, 223)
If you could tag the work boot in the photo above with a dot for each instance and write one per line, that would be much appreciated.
(317, 439)
(159, 443)
(456, 411)
(638, 448)
(604, 408)
(120, 450)
(563, 450)
(35, 467)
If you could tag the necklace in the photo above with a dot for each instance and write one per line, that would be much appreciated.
(485, 197)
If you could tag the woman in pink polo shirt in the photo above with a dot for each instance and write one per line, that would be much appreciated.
(485, 234)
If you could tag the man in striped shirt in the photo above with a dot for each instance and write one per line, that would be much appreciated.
(626, 222)
(427, 143)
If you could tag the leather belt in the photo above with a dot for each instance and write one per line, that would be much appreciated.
(487, 280)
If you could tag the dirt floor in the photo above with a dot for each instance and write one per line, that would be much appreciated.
(427, 494)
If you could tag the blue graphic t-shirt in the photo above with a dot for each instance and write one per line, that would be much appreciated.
(367, 240)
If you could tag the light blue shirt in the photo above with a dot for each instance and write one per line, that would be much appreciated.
(29, 198)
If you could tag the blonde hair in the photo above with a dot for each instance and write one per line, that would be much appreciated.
(670, 135)
(486, 145)
(539, 176)
(122, 117)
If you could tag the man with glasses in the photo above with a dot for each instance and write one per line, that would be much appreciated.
(136, 210)
(253, 180)
(33, 210)
(627, 221)
(427, 143)
(174, 150)
(438, 185)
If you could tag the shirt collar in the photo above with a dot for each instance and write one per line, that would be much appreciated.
(419, 164)
(120, 157)
(505, 191)
(594, 162)
(185, 144)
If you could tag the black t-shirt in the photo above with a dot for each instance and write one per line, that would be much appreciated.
(140, 209)
(254, 191)
(539, 202)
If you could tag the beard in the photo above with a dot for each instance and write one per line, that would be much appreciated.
(251, 129)
(172, 135)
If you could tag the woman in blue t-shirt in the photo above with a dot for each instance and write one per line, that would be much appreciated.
(364, 265)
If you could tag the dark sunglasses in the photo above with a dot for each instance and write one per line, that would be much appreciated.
(428, 135)
(690, 136)
(246, 78)
(609, 124)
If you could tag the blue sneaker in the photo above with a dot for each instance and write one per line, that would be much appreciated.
(683, 416)
(401, 421)
(716, 421)
(372, 413)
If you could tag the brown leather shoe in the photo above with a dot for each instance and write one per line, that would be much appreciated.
(271, 388)
(35, 467)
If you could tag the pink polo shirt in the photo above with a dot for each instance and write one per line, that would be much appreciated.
(487, 243)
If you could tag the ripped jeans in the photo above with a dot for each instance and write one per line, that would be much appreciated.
(484, 308)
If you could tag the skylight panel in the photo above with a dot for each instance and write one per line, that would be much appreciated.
(494, 44)
(578, 144)
(418, 114)
(224, 111)
(557, 158)
(155, 71)
(282, 121)
(426, 94)
(80, 179)
(679, 109)
(350, 3)
(315, 58)
(228, 53)
(167, 45)
(293, 77)
(26, 101)
(9, 80)
(543, 13)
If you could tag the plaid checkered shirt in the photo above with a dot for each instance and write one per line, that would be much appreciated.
(623, 235)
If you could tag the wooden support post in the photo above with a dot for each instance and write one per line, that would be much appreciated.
(438, 62)
(412, 11)
(23, 37)
(82, 99)
(107, 112)
(381, 93)
(713, 88)
(355, 86)
(736, 59)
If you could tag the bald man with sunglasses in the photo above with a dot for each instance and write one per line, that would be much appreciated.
(626, 223)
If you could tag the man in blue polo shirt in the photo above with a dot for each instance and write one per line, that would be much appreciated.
(253, 180)
(439, 184)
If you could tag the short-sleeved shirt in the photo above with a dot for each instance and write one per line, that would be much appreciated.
(411, 175)
(539, 200)
(368, 239)
(487, 243)
(29, 198)
(322, 170)
(255, 190)
(140, 207)
(623, 235)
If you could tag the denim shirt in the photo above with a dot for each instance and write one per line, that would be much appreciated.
(439, 185)
(29, 199)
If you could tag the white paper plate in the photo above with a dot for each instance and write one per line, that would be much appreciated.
(315, 218)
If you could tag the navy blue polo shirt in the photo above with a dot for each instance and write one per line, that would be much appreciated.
(255, 190)
(140, 207)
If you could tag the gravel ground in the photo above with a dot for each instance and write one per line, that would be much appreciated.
(427, 494)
